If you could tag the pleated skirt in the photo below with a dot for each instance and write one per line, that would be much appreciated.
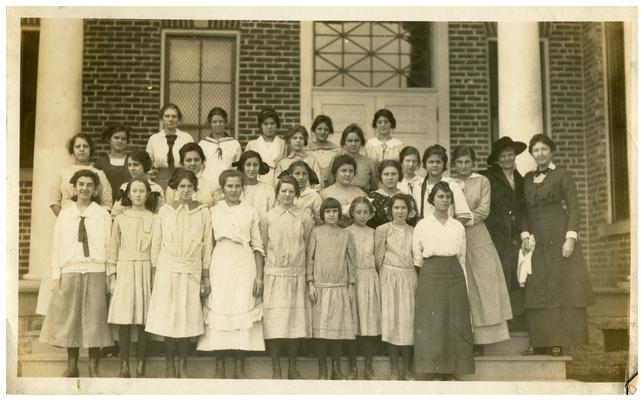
(332, 314)
(77, 312)
(367, 308)
(398, 286)
(130, 300)
(443, 342)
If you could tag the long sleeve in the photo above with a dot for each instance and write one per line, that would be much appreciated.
(208, 239)
(150, 150)
(311, 253)
(461, 209)
(379, 245)
(278, 170)
(264, 228)
(106, 199)
(315, 166)
(55, 251)
(156, 241)
(461, 251)
(417, 246)
(256, 241)
(480, 213)
(374, 176)
(350, 258)
(571, 202)
(113, 248)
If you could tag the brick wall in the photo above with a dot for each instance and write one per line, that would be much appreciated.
(122, 64)
(469, 88)
(24, 224)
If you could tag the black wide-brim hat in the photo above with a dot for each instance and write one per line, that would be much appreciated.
(502, 144)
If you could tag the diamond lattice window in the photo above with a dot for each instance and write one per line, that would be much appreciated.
(200, 74)
(372, 54)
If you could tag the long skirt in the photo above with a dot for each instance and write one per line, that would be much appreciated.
(487, 291)
(287, 310)
(550, 327)
(130, 300)
(367, 309)
(332, 313)
(77, 313)
(175, 309)
(397, 294)
(232, 314)
(443, 342)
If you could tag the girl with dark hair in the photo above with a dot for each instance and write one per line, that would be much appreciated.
(443, 337)
(435, 163)
(233, 310)
(257, 194)
(309, 199)
(114, 163)
(390, 173)
(393, 256)
(558, 291)
(330, 279)
(192, 158)
(163, 146)
(138, 165)
(77, 311)
(285, 232)
(487, 291)
(321, 148)
(367, 290)
(220, 149)
(81, 147)
(269, 145)
(129, 271)
(411, 183)
(296, 139)
(383, 146)
(366, 175)
(180, 256)
(343, 168)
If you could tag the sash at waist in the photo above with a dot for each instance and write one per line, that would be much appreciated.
(399, 268)
(285, 271)
(329, 285)
(124, 255)
(180, 264)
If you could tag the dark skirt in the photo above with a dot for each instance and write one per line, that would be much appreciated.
(77, 314)
(443, 340)
(550, 327)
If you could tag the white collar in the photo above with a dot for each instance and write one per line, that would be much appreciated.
(390, 143)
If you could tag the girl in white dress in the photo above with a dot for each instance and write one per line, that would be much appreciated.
(321, 148)
(233, 310)
(129, 270)
(220, 148)
(256, 194)
(393, 254)
(180, 255)
(193, 159)
(367, 298)
(296, 139)
(138, 164)
(309, 199)
(269, 145)
(383, 146)
(285, 231)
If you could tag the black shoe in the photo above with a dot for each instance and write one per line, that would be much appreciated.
(557, 351)
(531, 351)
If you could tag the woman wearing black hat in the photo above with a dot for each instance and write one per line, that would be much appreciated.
(506, 209)
(558, 291)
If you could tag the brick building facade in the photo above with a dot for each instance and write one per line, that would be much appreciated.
(122, 82)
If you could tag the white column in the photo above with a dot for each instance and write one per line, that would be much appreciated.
(520, 105)
(58, 107)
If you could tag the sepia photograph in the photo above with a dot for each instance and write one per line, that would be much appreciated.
(237, 200)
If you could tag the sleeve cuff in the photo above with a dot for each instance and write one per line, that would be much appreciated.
(111, 269)
(525, 235)
(572, 235)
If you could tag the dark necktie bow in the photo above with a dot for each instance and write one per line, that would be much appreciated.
(82, 237)
(171, 139)
(541, 172)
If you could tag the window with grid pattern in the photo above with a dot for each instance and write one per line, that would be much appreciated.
(200, 73)
(372, 54)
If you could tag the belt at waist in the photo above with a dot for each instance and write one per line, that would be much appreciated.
(180, 265)
(366, 268)
(285, 271)
(399, 268)
(133, 256)
(329, 285)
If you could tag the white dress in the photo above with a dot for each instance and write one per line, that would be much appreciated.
(232, 314)
(219, 155)
(270, 152)
(259, 196)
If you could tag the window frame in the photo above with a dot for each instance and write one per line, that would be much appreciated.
(167, 33)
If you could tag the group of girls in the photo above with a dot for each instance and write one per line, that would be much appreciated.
(303, 239)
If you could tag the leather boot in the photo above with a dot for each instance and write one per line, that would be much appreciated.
(170, 369)
(140, 369)
(322, 369)
(220, 368)
(182, 368)
(239, 371)
(124, 370)
(94, 356)
(72, 368)
(337, 375)
(353, 373)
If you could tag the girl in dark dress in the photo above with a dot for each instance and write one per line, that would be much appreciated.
(558, 290)
(114, 163)
(390, 173)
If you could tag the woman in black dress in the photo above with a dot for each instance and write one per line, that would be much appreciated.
(558, 290)
(114, 164)
(504, 220)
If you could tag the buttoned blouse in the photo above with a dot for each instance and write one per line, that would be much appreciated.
(285, 234)
(431, 238)
(131, 235)
(158, 148)
(393, 246)
(239, 223)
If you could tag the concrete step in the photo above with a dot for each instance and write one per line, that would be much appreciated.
(488, 368)
(518, 342)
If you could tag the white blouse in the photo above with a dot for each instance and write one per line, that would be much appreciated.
(459, 209)
(67, 252)
(431, 238)
(378, 150)
(158, 148)
(219, 155)
(239, 223)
